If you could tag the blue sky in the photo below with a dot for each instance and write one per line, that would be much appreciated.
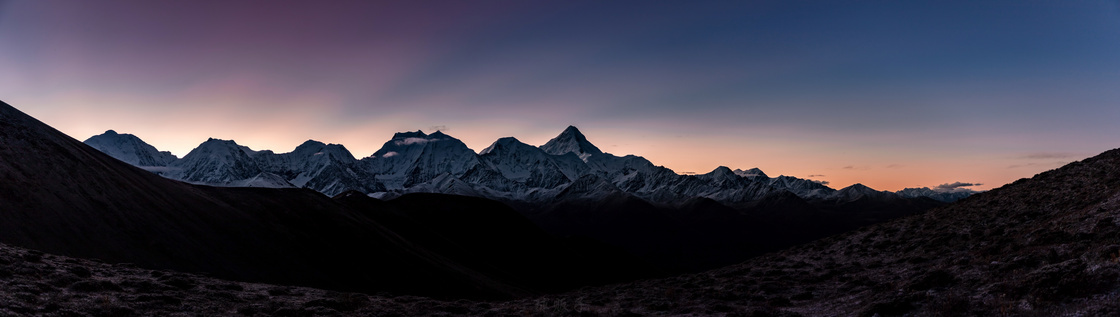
(891, 94)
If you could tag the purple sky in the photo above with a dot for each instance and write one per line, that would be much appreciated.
(891, 94)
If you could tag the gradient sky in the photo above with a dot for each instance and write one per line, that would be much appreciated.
(890, 94)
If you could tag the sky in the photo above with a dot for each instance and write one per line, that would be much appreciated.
(890, 94)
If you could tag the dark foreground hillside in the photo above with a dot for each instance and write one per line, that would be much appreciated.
(1048, 246)
(64, 197)
(60, 196)
(34, 283)
(1045, 246)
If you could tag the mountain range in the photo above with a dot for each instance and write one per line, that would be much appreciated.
(1045, 246)
(570, 188)
(61, 196)
(507, 170)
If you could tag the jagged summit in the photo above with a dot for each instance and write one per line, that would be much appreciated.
(312, 147)
(409, 134)
(505, 142)
(215, 144)
(571, 141)
(414, 141)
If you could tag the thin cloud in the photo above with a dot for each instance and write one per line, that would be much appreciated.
(820, 182)
(439, 128)
(955, 185)
(894, 166)
(815, 175)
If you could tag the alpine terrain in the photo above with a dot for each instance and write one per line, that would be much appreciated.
(1043, 246)
(571, 188)
(64, 197)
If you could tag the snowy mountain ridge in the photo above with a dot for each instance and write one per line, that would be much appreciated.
(566, 167)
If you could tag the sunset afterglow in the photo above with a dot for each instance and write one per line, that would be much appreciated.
(885, 93)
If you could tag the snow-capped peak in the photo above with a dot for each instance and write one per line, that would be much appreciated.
(130, 149)
(310, 144)
(312, 147)
(571, 141)
(216, 161)
(414, 157)
(212, 144)
(402, 142)
(506, 142)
